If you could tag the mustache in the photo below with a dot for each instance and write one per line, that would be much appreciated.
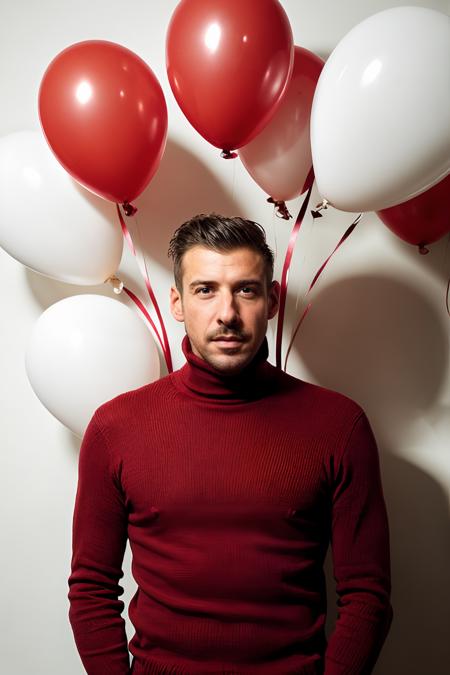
(238, 335)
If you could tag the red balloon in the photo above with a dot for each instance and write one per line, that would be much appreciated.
(228, 63)
(423, 219)
(104, 115)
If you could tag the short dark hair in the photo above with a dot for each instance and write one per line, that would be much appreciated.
(220, 234)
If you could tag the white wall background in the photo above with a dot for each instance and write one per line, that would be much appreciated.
(377, 331)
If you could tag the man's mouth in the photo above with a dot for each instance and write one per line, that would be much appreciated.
(228, 341)
(227, 338)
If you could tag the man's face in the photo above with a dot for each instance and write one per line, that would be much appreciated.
(225, 305)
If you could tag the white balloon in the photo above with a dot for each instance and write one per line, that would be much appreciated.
(48, 221)
(380, 125)
(85, 350)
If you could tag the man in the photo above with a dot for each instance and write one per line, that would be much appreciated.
(230, 478)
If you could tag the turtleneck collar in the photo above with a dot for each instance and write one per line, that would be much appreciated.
(200, 380)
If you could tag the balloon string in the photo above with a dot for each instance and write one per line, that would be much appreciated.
(125, 231)
(285, 275)
(154, 301)
(446, 296)
(163, 342)
(274, 230)
(233, 187)
(316, 276)
(141, 306)
(302, 265)
(166, 347)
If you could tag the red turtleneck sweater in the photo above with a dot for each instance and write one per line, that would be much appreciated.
(230, 490)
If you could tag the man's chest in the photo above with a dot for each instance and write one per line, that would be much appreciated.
(225, 470)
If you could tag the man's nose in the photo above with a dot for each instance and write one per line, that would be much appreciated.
(228, 312)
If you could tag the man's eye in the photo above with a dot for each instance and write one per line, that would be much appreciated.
(247, 290)
(203, 290)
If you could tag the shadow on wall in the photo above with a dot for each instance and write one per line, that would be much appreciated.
(380, 342)
(420, 548)
(183, 187)
(417, 643)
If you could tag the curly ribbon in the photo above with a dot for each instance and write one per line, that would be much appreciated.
(280, 208)
(228, 154)
(285, 275)
(164, 342)
(316, 276)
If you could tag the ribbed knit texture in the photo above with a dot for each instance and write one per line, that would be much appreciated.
(230, 490)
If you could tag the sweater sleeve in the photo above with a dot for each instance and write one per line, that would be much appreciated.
(361, 557)
(99, 537)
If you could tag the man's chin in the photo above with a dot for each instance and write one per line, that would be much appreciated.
(229, 364)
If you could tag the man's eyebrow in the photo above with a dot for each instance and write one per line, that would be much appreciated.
(200, 282)
(249, 282)
(240, 282)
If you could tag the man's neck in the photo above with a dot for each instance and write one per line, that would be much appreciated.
(201, 380)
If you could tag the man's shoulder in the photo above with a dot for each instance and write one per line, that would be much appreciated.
(316, 396)
(135, 402)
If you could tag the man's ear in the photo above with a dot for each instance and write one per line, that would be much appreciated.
(176, 305)
(274, 299)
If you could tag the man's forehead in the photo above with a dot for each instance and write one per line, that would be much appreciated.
(200, 260)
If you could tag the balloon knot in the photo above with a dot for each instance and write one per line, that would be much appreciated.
(281, 208)
(116, 283)
(228, 154)
(322, 205)
(423, 249)
(129, 209)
